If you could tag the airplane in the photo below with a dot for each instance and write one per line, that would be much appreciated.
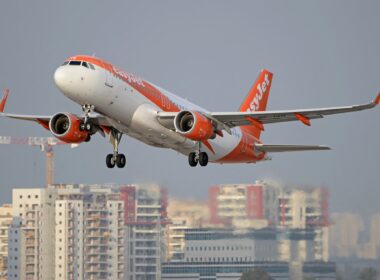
(115, 102)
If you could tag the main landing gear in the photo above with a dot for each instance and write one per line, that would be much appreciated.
(115, 158)
(198, 156)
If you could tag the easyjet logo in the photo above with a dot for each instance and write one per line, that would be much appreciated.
(130, 78)
(261, 89)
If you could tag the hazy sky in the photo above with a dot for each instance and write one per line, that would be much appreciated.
(322, 53)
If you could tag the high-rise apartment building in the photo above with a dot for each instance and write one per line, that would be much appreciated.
(5, 221)
(145, 209)
(244, 205)
(183, 214)
(375, 231)
(306, 209)
(344, 234)
(67, 232)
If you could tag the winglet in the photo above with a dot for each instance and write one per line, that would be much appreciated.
(4, 100)
(376, 101)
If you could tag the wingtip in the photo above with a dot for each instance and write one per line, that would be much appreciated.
(376, 101)
(4, 100)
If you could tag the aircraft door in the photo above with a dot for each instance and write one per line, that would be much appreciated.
(109, 78)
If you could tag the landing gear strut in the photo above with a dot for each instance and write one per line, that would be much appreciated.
(85, 125)
(198, 156)
(115, 158)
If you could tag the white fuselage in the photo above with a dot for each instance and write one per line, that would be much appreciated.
(134, 114)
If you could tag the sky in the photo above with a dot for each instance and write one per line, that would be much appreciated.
(322, 53)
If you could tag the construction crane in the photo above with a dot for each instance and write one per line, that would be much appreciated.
(46, 145)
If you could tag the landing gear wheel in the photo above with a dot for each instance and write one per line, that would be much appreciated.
(82, 126)
(88, 127)
(120, 160)
(88, 138)
(203, 159)
(192, 159)
(115, 158)
(110, 161)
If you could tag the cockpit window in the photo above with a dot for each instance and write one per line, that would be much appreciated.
(91, 66)
(65, 63)
(84, 63)
(74, 62)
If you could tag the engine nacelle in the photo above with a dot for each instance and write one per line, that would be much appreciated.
(65, 127)
(194, 126)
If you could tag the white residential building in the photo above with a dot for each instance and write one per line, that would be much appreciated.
(146, 219)
(183, 214)
(307, 209)
(67, 232)
(5, 221)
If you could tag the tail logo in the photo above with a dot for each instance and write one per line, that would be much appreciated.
(261, 90)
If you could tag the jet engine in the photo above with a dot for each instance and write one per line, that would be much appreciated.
(65, 127)
(194, 125)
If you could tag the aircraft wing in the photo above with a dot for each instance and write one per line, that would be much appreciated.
(303, 115)
(35, 118)
(96, 119)
(228, 120)
(288, 148)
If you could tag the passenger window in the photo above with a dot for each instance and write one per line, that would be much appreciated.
(74, 62)
(84, 63)
(65, 63)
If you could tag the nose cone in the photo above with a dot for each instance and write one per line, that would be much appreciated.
(61, 78)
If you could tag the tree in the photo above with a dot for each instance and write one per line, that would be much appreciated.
(368, 274)
(256, 274)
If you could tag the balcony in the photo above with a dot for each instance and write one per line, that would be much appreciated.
(96, 251)
(97, 259)
(97, 225)
(30, 260)
(95, 268)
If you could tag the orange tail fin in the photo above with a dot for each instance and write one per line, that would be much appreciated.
(4, 100)
(256, 100)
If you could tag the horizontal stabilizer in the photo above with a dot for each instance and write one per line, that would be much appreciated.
(288, 148)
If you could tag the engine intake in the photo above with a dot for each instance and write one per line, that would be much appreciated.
(194, 125)
(65, 127)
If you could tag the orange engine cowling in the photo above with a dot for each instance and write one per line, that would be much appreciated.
(65, 127)
(194, 126)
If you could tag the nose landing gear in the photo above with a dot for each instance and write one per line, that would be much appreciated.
(115, 158)
(85, 125)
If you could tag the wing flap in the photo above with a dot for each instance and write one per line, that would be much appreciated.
(289, 148)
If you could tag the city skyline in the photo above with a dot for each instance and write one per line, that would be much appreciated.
(130, 231)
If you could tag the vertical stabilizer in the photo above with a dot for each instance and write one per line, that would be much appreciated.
(4, 100)
(256, 100)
